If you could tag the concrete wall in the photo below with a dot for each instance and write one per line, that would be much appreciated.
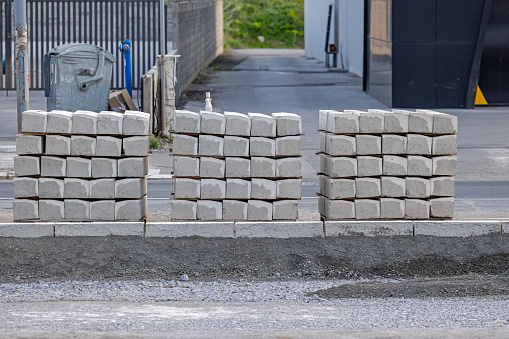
(347, 24)
(196, 31)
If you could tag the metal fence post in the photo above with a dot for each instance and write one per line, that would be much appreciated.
(22, 71)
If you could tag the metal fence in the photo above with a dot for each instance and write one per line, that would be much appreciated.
(105, 23)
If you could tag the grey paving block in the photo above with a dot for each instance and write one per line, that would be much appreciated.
(275, 229)
(99, 229)
(29, 230)
(190, 229)
(368, 228)
(457, 228)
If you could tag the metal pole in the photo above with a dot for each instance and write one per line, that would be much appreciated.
(162, 76)
(22, 71)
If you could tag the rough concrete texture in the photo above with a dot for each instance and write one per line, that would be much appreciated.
(280, 230)
(288, 167)
(442, 187)
(368, 228)
(135, 146)
(419, 144)
(340, 167)
(418, 187)
(51, 210)
(391, 208)
(234, 210)
(29, 144)
(369, 144)
(420, 122)
(76, 188)
(104, 167)
(287, 124)
(84, 122)
(505, 227)
(83, 145)
(444, 123)
(417, 209)
(367, 209)
(445, 165)
(321, 205)
(238, 189)
(341, 123)
(102, 210)
(419, 166)
(108, 146)
(212, 189)
(339, 209)
(133, 210)
(368, 166)
(323, 142)
(24, 209)
(132, 188)
(78, 167)
(30, 230)
(368, 187)
(457, 228)
(237, 168)
(185, 144)
(51, 167)
(262, 125)
(210, 145)
(186, 166)
(340, 144)
(323, 117)
(190, 229)
(102, 189)
(338, 188)
(33, 121)
(288, 146)
(442, 207)
(58, 145)
(212, 123)
(394, 144)
(285, 210)
(288, 189)
(393, 187)
(262, 147)
(394, 165)
(59, 122)
(396, 122)
(183, 210)
(186, 122)
(236, 146)
(263, 189)
(51, 188)
(75, 209)
(110, 123)
(136, 123)
(187, 188)
(98, 229)
(26, 187)
(237, 124)
(27, 165)
(258, 210)
(445, 145)
(371, 122)
(133, 167)
(209, 210)
(263, 167)
(212, 168)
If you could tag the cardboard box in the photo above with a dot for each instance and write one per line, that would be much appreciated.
(120, 101)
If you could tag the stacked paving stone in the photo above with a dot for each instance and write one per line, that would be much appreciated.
(234, 166)
(388, 165)
(82, 166)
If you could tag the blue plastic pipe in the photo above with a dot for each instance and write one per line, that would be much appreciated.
(125, 48)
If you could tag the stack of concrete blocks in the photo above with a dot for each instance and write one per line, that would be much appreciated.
(387, 165)
(81, 166)
(236, 167)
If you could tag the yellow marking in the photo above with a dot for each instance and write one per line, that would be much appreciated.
(479, 97)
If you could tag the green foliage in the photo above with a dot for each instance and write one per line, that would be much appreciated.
(154, 143)
(279, 22)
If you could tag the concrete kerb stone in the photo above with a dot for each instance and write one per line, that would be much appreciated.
(99, 229)
(281, 230)
(27, 230)
(505, 227)
(458, 228)
(190, 229)
(368, 228)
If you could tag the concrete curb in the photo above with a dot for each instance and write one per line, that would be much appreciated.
(280, 230)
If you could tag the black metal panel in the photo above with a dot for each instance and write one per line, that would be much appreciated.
(414, 21)
(454, 62)
(414, 75)
(458, 21)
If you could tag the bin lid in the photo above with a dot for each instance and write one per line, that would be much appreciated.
(80, 50)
